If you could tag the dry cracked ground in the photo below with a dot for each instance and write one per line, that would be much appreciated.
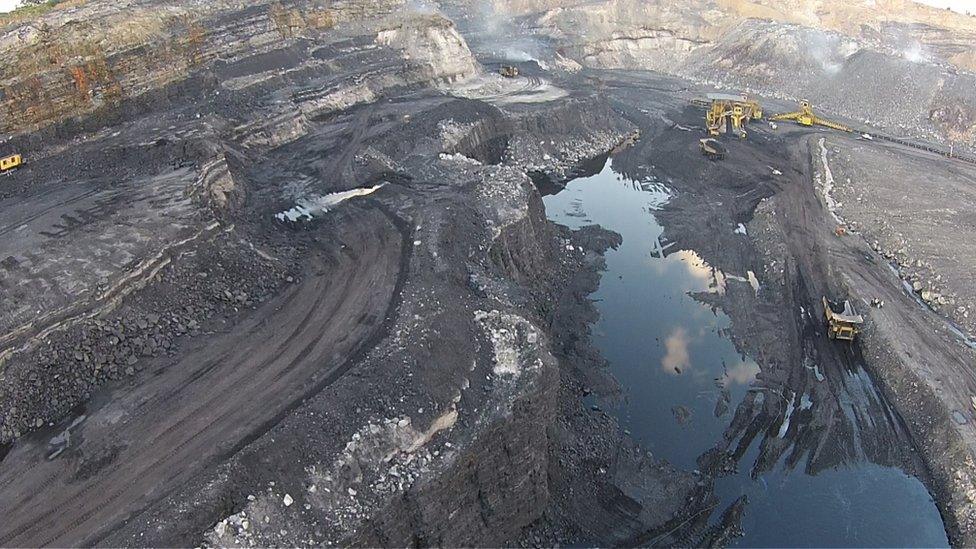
(280, 273)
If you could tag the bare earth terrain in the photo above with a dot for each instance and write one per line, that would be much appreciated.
(281, 274)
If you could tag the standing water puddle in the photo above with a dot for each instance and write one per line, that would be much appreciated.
(669, 355)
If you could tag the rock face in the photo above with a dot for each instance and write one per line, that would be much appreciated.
(894, 64)
(433, 42)
(77, 60)
(171, 134)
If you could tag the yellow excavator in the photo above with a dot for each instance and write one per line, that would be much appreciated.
(508, 71)
(805, 117)
(735, 108)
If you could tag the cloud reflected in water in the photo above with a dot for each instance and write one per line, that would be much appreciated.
(677, 358)
(743, 373)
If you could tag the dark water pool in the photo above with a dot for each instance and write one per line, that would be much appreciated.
(668, 353)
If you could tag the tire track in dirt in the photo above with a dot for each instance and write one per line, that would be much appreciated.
(44, 211)
(196, 437)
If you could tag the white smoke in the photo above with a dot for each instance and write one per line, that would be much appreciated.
(9, 5)
(501, 35)
(422, 6)
(827, 50)
(916, 53)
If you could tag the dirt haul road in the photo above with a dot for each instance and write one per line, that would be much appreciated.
(222, 393)
(921, 419)
(920, 360)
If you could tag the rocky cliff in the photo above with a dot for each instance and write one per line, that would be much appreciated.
(76, 60)
(895, 64)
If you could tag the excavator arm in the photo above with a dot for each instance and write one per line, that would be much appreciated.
(787, 116)
(805, 117)
(821, 122)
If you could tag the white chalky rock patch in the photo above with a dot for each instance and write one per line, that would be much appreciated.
(307, 208)
(513, 339)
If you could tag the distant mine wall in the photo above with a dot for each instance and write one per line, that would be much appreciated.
(902, 68)
(74, 61)
(899, 95)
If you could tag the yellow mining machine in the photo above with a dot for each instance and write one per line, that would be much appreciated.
(723, 108)
(843, 322)
(508, 71)
(805, 117)
(711, 148)
(10, 163)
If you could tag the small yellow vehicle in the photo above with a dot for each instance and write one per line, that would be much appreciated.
(843, 322)
(11, 162)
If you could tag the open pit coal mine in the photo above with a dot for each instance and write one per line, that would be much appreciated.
(397, 273)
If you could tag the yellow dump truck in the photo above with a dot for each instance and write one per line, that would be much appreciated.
(711, 148)
(843, 322)
(11, 162)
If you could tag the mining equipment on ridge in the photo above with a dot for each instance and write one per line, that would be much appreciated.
(806, 117)
(723, 109)
(508, 71)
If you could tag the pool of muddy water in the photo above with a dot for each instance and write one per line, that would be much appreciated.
(676, 369)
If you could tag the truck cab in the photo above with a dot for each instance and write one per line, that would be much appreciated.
(11, 162)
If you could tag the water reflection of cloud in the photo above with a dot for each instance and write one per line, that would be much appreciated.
(676, 358)
(688, 260)
(743, 373)
(696, 267)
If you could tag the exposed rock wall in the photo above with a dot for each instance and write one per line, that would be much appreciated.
(435, 44)
(895, 64)
(493, 488)
(565, 149)
(72, 62)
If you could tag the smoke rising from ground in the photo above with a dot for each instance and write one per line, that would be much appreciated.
(505, 37)
(422, 6)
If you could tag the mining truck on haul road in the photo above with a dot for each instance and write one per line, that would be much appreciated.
(711, 148)
(843, 322)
